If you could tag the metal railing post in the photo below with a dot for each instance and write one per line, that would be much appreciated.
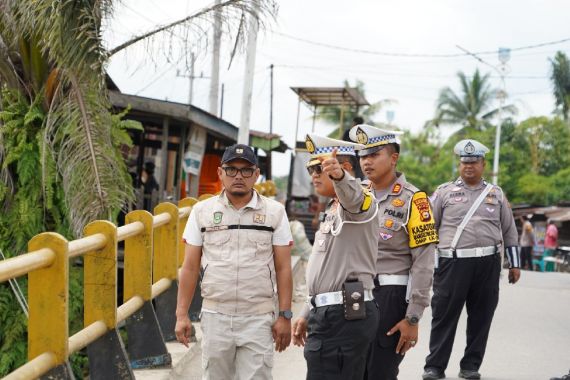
(48, 298)
(107, 355)
(165, 265)
(146, 346)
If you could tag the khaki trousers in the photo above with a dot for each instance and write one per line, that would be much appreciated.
(237, 347)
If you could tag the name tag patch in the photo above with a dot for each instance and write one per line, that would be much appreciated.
(259, 218)
(394, 213)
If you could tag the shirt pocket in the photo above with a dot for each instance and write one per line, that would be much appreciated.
(217, 245)
(322, 240)
(261, 241)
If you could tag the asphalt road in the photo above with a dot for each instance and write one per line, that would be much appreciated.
(529, 339)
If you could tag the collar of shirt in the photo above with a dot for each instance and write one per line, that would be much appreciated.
(254, 202)
(482, 183)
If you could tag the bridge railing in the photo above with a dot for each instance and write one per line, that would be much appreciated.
(152, 255)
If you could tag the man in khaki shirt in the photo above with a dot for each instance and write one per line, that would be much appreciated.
(344, 256)
(243, 241)
(469, 261)
(406, 251)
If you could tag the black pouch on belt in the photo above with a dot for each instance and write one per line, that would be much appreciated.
(353, 300)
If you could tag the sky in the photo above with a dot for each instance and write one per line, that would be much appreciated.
(394, 47)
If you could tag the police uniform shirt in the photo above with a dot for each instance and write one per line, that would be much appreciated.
(492, 222)
(407, 238)
(352, 253)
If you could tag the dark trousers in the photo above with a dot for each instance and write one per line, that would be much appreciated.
(473, 282)
(336, 349)
(383, 361)
(526, 258)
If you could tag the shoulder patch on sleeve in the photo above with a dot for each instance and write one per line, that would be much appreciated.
(368, 199)
(421, 226)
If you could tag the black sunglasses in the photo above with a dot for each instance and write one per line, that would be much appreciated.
(232, 171)
(315, 169)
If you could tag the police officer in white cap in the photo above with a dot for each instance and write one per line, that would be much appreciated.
(405, 251)
(339, 321)
(475, 224)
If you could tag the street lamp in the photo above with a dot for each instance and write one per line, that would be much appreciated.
(504, 56)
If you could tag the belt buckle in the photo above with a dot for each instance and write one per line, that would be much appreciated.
(479, 252)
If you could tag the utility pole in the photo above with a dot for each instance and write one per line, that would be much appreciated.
(243, 134)
(215, 82)
(269, 158)
(222, 103)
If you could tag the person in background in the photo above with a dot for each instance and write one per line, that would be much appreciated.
(550, 243)
(527, 243)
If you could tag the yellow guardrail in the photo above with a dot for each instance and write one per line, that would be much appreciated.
(153, 254)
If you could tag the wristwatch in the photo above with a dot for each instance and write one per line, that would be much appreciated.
(413, 320)
(287, 314)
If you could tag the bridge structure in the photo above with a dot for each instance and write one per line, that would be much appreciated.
(153, 253)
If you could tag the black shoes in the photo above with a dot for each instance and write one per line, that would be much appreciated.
(433, 374)
(469, 374)
(564, 377)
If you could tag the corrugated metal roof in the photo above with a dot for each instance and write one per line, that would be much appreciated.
(331, 96)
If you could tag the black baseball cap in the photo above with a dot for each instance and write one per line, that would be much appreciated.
(239, 151)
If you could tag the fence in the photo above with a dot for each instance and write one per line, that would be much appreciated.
(152, 255)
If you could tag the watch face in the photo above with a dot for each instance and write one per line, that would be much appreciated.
(414, 319)
(287, 314)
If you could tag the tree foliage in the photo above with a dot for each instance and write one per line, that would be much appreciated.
(472, 108)
(560, 77)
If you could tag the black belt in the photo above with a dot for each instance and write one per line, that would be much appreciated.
(237, 227)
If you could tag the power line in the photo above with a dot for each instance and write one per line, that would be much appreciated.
(413, 55)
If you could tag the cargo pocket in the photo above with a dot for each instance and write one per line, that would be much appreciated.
(262, 241)
(439, 302)
(312, 349)
(268, 359)
(320, 244)
(217, 245)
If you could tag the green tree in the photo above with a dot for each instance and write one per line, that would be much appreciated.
(60, 161)
(472, 108)
(560, 78)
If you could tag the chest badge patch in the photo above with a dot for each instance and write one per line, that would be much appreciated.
(489, 200)
(458, 199)
(396, 189)
(388, 223)
(490, 209)
(218, 217)
(259, 218)
(321, 242)
(397, 202)
(385, 236)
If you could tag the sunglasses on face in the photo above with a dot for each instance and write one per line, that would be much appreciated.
(232, 171)
(315, 169)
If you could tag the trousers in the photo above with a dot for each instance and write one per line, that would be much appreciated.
(383, 361)
(473, 282)
(336, 349)
(237, 347)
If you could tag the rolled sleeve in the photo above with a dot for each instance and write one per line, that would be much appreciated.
(282, 233)
(192, 234)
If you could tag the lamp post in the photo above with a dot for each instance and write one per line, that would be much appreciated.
(504, 56)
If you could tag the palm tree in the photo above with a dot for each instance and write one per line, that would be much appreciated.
(560, 77)
(472, 108)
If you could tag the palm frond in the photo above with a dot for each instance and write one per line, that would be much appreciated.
(182, 35)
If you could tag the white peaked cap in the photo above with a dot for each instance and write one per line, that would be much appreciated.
(320, 146)
(470, 150)
(373, 138)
